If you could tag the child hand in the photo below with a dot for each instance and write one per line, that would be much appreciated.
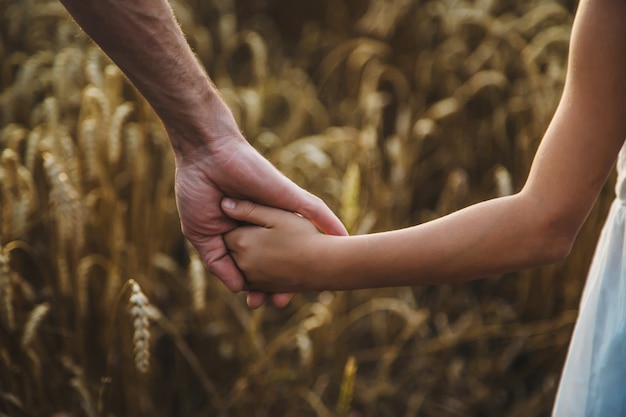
(276, 250)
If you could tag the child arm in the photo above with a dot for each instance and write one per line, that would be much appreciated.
(536, 226)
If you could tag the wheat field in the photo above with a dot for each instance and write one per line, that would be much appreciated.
(395, 112)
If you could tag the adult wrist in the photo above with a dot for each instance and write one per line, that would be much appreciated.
(200, 125)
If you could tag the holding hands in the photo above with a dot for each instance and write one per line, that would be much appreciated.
(213, 160)
(234, 168)
(278, 251)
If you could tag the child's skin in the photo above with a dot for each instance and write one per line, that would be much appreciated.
(536, 226)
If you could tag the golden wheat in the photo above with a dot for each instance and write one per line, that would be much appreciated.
(89, 146)
(350, 197)
(83, 272)
(121, 113)
(141, 327)
(65, 202)
(35, 318)
(10, 193)
(389, 121)
(13, 136)
(347, 388)
(197, 282)
(6, 291)
(117, 245)
(113, 85)
(67, 72)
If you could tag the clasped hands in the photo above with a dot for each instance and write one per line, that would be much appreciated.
(233, 168)
(276, 250)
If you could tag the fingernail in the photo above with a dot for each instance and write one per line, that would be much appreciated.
(228, 203)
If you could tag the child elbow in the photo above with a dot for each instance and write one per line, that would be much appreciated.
(557, 243)
(551, 230)
(556, 250)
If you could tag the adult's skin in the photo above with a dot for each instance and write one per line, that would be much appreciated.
(536, 226)
(213, 159)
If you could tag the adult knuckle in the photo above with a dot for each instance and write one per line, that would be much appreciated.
(311, 204)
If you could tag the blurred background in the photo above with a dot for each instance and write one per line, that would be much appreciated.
(395, 112)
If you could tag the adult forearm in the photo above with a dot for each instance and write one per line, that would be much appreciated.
(483, 240)
(143, 38)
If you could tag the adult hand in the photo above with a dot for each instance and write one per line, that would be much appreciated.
(212, 157)
(233, 168)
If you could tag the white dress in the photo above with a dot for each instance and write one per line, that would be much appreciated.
(593, 382)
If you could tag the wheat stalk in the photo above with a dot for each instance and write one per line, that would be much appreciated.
(138, 163)
(10, 400)
(315, 402)
(6, 292)
(79, 384)
(351, 189)
(117, 244)
(154, 314)
(63, 269)
(85, 266)
(9, 188)
(85, 397)
(134, 141)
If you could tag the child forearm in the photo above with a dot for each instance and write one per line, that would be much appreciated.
(539, 224)
(486, 239)
(534, 227)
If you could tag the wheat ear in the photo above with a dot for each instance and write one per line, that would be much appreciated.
(197, 282)
(346, 390)
(121, 113)
(64, 199)
(18, 194)
(34, 320)
(141, 325)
